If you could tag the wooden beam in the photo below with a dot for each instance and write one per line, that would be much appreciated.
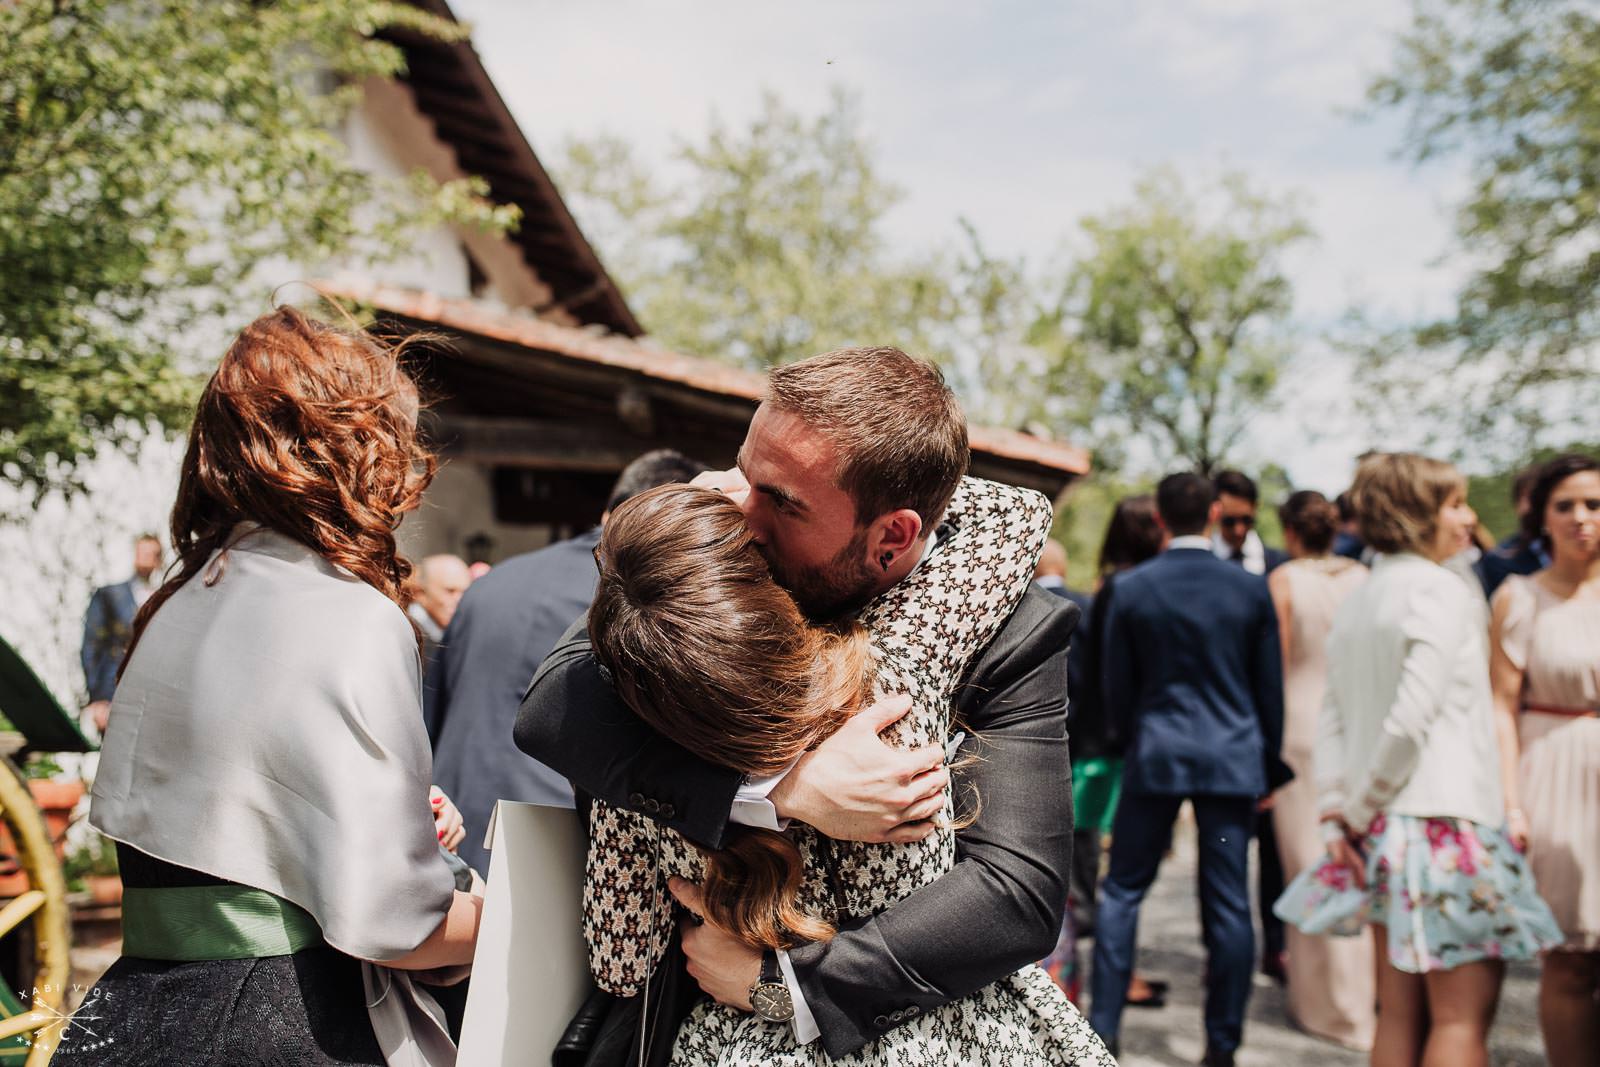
(535, 443)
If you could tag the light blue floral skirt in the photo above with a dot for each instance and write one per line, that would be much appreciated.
(1449, 891)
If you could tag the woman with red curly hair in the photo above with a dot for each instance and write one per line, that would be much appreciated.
(265, 772)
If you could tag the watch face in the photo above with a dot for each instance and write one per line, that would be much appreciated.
(771, 1001)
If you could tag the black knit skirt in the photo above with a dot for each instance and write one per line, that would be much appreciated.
(273, 1011)
(282, 1011)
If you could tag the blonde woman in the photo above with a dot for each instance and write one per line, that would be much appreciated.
(1408, 780)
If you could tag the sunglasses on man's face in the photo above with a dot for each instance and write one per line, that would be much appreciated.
(1230, 521)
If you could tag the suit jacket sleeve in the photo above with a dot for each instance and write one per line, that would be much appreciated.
(1000, 907)
(436, 683)
(99, 672)
(1119, 667)
(1268, 686)
(572, 720)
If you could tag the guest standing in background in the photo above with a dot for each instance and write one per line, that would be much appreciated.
(109, 621)
(1192, 657)
(1237, 541)
(1330, 978)
(1133, 535)
(1525, 550)
(1235, 538)
(505, 627)
(1545, 669)
(1408, 781)
(1347, 542)
(440, 582)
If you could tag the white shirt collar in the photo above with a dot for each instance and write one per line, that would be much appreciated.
(1254, 553)
(1190, 541)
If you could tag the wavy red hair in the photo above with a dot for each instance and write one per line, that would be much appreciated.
(308, 429)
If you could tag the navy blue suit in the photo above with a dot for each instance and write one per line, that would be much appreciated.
(1191, 652)
(503, 629)
(1511, 556)
(107, 625)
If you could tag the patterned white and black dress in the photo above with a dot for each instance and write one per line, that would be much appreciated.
(924, 632)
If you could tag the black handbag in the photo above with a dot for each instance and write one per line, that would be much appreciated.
(611, 1031)
(636, 1031)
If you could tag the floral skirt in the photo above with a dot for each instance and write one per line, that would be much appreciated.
(1449, 892)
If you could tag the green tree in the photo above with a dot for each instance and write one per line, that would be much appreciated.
(1172, 329)
(769, 247)
(153, 154)
(1514, 86)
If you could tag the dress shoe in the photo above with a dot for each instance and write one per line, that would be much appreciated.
(1216, 1057)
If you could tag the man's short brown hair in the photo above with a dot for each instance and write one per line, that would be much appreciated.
(1398, 497)
(900, 432)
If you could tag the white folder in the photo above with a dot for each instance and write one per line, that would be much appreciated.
(531, 969)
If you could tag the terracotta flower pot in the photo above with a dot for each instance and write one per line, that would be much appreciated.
(57, 800)
(104, 889)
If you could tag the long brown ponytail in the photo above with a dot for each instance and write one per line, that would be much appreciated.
(706, 648)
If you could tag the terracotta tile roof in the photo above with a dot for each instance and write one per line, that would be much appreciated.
(480, 320)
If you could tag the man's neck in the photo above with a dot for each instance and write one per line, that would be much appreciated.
(1194, 540)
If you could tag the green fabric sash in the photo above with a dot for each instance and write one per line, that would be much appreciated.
(213, 922)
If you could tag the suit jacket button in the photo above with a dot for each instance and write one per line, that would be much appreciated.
(913, 1010)
(668, 811)
(881, 1022)
(651, 806)
(897, 1016)
(635, 800)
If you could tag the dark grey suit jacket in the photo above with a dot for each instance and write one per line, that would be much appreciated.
(505, 625)
(1000, 907)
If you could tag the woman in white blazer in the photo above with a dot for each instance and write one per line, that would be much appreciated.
(1408, 781)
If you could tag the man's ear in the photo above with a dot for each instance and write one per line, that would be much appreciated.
(895, 532)
(1215, 514)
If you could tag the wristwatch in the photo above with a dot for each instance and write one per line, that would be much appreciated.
(769, 996)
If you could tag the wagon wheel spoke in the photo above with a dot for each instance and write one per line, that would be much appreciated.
(20, 909)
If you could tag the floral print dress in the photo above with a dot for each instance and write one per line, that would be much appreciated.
(924, 632)
(1448, 892)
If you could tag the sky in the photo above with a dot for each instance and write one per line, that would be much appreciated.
(1026, 116)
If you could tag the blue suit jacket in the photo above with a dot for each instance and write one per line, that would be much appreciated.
(503, 629)
(1192, 657)
(107, 625)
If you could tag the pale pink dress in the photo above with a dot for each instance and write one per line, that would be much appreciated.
(1556, 643)
(1330, 978)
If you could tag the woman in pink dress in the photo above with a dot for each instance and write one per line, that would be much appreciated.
(1545, 670)
(1330, 978)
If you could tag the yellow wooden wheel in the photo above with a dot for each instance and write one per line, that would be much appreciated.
(44, 907)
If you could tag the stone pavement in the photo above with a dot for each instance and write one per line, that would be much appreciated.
(1170, 948)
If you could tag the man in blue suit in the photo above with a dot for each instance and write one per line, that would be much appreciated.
(506, 624)
(1192, 651)
(108, 624)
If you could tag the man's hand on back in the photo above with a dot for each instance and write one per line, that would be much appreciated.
(854, 787)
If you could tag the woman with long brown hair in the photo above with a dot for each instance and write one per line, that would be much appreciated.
(706, 648)
(265, 771)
